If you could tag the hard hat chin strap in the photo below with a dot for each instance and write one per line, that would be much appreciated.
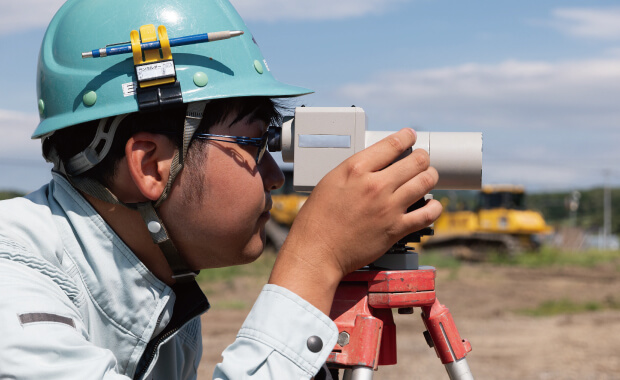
(180, 270)
(193, 117)
(148, 210)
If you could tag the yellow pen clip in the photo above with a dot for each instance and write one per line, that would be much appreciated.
(155, 66)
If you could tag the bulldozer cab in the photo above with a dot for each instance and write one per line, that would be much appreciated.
(499, 222)
(504, 197)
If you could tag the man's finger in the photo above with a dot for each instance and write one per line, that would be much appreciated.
(422, 217)
(384, 152)
(405, 169)
(417, 187)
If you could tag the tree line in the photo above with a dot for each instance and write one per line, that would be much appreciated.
(587, 211)
(587, 206)
(10, 194)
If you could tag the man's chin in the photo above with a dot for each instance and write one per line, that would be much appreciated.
(255, 247)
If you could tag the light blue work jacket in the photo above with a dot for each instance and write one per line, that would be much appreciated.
(76, 303)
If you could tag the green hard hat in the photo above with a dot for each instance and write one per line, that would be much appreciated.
(73, 90)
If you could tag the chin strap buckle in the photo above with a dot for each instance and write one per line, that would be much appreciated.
(181, 271)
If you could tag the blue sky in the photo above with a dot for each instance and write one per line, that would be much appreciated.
(540, 79)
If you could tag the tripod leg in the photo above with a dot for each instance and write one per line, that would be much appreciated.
(358, 373)
(459, 370)
(444, 337)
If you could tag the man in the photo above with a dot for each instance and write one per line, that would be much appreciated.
(157, 179)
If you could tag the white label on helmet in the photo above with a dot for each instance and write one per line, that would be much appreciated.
(157, 70)
(129, 89)
(266, 65)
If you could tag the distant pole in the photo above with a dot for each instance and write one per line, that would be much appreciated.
(606, 209)
(573, 206)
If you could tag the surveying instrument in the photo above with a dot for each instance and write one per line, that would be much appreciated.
(316, 140)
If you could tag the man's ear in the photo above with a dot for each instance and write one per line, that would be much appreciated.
(149, 157)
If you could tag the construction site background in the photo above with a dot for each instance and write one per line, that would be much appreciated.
(572, 220)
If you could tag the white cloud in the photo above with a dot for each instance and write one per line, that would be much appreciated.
(560, 160)
(276, 10)
(16, 129)
(511, 94)
(21, 164)
(534, 176)
(545, 125)
(588, 22)
(613, 52)
(27, 14)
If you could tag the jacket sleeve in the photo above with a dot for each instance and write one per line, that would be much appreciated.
(283, 337)
(41, 333)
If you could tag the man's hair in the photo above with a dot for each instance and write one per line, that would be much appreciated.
(72, 140)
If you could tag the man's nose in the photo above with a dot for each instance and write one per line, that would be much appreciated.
(272, 175)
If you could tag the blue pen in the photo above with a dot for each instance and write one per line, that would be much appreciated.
(179, 41)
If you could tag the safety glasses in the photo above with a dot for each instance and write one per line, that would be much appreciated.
(259, 142)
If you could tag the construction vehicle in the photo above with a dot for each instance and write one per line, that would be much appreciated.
(500, 223)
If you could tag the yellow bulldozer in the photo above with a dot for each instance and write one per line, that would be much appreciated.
(500, 222)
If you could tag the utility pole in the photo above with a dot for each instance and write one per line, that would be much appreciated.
(606, 209)
(573, 206)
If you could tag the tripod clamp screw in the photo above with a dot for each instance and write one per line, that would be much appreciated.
(343, 338)
(429, 339)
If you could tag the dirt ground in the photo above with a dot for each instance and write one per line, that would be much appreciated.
(484, 301)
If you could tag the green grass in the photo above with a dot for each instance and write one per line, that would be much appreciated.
(231, 305)
(439, 260)
(547, 257)
(259, 269)
(236, 279)
(566, 306)
(8, 194)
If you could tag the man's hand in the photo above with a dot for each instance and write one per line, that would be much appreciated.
(354, 215)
